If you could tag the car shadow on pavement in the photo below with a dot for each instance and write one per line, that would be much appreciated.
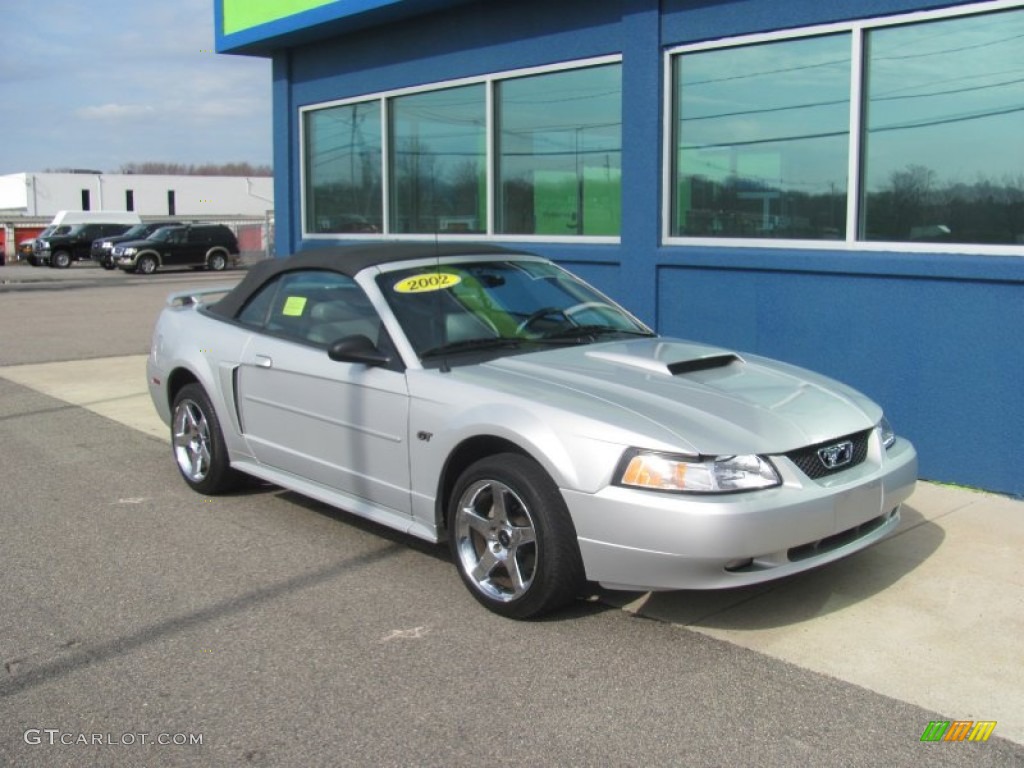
(830, 588)
(588, 604)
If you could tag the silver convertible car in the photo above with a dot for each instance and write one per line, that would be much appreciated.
(489, 398)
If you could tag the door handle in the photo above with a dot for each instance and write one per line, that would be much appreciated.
(263, 361)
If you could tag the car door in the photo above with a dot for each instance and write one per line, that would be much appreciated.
(81, 246)
(196, 245)
(340, 425)
(172, 249)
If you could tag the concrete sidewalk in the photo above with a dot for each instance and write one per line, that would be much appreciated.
(933, 616)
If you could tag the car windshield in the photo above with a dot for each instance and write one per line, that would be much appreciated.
(500, 307)
(138, 230)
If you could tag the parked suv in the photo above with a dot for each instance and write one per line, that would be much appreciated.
(60, 250)
(193, 245)
(103, 248)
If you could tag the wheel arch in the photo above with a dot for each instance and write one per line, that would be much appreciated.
(176, 380)
(215, 250)
(149, 252)
(464, 454)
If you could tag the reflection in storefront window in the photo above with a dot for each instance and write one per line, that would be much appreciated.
(343, 168)
(761, 137)
(560, 153)
(438, 161)
(944, 139)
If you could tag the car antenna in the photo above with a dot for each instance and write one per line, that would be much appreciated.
(445, 368)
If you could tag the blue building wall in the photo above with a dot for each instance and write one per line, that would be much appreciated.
(935, 338)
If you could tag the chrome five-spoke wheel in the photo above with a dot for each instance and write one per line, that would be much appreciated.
(496, 540)
(191, 441)
(512, 538)
(198, 443)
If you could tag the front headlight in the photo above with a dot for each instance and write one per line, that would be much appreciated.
(885, 432)
(129, 251)
(696, 474)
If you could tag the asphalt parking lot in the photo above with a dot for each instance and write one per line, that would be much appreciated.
(142, 624)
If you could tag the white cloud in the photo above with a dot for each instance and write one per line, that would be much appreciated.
(109, 82)
(115, 112)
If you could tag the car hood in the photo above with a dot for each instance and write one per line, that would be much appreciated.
(700, 398)
(139, 242)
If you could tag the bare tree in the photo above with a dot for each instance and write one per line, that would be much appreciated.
(154, 168)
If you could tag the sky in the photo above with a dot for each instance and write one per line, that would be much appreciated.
(99, 83)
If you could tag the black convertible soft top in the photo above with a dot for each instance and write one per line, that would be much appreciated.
(347, 260)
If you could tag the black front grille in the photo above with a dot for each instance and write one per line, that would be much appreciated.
(811, 464)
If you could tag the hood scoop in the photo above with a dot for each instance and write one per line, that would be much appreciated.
(656, 365)
(684, 367)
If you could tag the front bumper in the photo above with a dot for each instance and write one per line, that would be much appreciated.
(643, 540)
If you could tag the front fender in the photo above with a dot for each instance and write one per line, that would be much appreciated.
(445, 414)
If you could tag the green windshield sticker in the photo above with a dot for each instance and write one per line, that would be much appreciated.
(431, 281)
(293, 306)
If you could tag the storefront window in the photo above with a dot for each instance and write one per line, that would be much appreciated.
(438, 161)
(944, 138)
(343, 169)
(559, 153)
(761, 138)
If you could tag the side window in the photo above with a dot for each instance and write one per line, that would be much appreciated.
(254, 313)
(313, 307)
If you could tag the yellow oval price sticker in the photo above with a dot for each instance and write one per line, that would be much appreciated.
(431, 281)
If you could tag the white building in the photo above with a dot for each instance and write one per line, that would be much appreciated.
(41, 195)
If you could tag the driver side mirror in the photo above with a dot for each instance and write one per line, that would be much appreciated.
(356, 349)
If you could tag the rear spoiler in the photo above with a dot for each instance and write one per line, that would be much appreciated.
(188, 298)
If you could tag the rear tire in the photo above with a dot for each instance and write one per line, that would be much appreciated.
(217, 262)
(512, 538)
(198, 444)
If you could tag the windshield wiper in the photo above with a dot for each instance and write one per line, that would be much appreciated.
(470, 345)
(579, 332)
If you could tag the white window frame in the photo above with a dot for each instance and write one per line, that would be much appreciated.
(854, 193)
(490, 161)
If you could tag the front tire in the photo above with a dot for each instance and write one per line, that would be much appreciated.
(198, 443)
(61, 260)
(512, 538)
(146, 265)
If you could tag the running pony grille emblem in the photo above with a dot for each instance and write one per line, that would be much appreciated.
(835, 456)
